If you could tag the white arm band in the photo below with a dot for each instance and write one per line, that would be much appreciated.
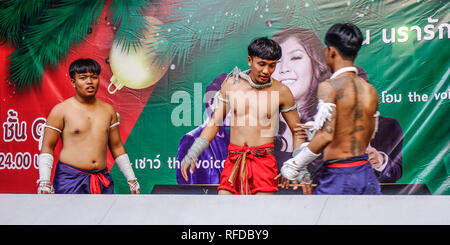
(217, 98)
(45, 163)
(114, 124)
(290, 108)
(41, 138)
(124, 164)
(200, 144)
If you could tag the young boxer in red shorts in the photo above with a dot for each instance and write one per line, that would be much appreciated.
(254, 101)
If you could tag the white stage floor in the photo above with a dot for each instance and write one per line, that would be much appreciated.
(32, 209)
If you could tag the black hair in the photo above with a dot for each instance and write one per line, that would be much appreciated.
(84, 66)
(346, 38)
(264, 48)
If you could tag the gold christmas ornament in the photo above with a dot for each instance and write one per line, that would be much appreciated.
(135, 69)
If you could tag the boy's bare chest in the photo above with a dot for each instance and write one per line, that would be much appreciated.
(80, 122)
(255, 103)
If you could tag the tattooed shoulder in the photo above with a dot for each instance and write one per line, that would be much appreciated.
(326, 91)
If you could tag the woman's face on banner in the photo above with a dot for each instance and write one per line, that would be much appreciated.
(294, 69)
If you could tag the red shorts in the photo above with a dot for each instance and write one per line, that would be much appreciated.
(248, 170)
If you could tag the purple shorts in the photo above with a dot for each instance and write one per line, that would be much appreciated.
(351, 176)
(71, 180)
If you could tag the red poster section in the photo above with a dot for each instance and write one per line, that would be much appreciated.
(22, 114)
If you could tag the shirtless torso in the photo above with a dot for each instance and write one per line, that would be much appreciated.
(345, 121)
(254, 101)
(253, 119)
(85, 132)
(253, 115)
(356, 103)
(87, 127)
(254, 112)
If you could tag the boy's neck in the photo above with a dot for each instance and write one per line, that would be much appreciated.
(85, 100)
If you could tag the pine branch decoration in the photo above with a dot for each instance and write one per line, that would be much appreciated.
(204, 22)
(44, 32)
(130, 17)
(15, 15)
(305, 14)
(48, 41)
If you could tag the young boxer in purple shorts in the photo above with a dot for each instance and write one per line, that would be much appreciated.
(87, 127)
(346, 121)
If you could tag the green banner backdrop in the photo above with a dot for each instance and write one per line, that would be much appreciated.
(404, 65)
(406, 55)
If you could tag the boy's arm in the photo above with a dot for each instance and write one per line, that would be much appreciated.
(290, 114)
(114, 142)
(208, 133)
(325, 121)
(220, 112)
(51, 131)
(120, 155)
(325, 135)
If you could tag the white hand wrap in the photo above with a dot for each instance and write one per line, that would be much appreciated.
(135, 187)
(200, 144)
(45, 187)
(304, 177)
(292, 167)
(298, 150)
(324, 113)
(124, 164)
(45, 163)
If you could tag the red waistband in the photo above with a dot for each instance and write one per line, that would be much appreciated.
(240, 154)
(234, 147)
(94, 181)
(346, 164)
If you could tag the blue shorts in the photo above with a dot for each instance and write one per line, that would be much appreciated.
(350, 176)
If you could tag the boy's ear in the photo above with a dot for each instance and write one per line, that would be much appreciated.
(249, 60)
(72, 81)
(333, 52)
